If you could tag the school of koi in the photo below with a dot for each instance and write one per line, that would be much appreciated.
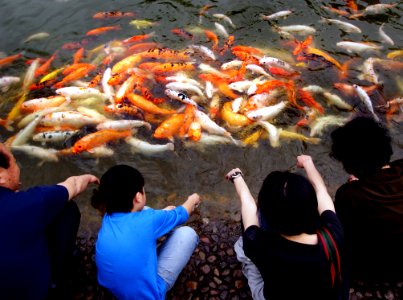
(202, 95)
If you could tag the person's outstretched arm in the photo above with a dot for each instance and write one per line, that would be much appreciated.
(191, 203)
(77, 184)
(325, 202)
(248, 204)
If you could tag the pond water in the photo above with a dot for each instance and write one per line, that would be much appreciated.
(172, 176)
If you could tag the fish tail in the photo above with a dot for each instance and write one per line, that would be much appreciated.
(344, 69)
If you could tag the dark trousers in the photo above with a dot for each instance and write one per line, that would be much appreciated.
(62, 234)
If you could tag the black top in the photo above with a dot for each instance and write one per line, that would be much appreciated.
(371, 211)
(292, 270)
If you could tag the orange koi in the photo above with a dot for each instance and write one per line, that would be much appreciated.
(147, 106)
(42, 103)
(281, 72)
(336, 11)
(228, 44)
(182, 33)
(326, 56)
(352, 5)
(43, 69)
(117, 79)
(101, 30)
(308, 99)
(137, 48)
(126, 63)
(349, 90)
(233, 119)
(205, 8)
(169, 127)
(302, 45)
(247, 49)
(213, 78)
(77, 74)
(166, 54)
(30, 61)
(194, 131)
(269, 85)
(246, 57)
(75, 67)
(226, 91)
(98, 138)
(78, 55)
(189, 117)
(172, 67)
(9, 59)
(54, 128)
(145, 92)
(113, 14)
(41, 85)
(122, 109)
(138, 38)
(211, 36)
(96, 80)
(148, 66)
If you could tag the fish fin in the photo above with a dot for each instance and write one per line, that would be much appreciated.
(171, 146)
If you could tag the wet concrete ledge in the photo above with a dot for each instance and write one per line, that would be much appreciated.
(212, 273)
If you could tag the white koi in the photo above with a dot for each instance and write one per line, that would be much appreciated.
(378, 9)
(274, 135)
(91, 113)
(206, 52)
(366, 100)
(384, 37)
(209, 125)
(37, 36)
(146, 148)
(345, 26)
(241, 86)
(267, 112)
(314, 89)
(337, 101)
(275, 62)
(221, 30)
(30, 76)
(49, 155)
(368, 71)
(108, 90)
(98, 152)
(123, 124)
(320, 123)
(259, 70)
(225, 18)
(69, 118)
(277, 15)
(24, 135)
(358, 48)
(209, 90)
(74, 92)
(180, 97)
(182, 77)
(7, 81)
(298, 29)
(233, 64)
(54, 137)
(183, 86)
(209, 69)
(236, 104)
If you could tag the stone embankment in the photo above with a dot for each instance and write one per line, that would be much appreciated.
(212, 273)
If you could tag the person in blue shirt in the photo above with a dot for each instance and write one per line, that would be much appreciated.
(38, 229)
(130, 265)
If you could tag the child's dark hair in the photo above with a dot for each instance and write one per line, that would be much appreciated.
(117, 189)
(288, 204)
(4, 161)
(362, 145)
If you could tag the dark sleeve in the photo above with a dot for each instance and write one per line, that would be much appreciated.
(52, 198)
(330, 221)
(252, 241)
(345, 209)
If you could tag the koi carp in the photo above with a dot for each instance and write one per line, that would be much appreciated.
(99, 138)
(113, 14)
(102, 30)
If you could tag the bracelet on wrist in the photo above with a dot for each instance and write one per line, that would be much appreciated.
(235, 175)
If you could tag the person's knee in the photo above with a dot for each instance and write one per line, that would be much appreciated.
(188, 234)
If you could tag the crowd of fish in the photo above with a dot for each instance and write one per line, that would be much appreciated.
(212, 90)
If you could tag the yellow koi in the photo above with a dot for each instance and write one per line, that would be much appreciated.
(51, 75)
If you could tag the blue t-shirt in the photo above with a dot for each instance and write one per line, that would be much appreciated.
(24, 257)
(126, 251)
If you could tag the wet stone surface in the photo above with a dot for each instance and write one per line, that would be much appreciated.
(213, 271)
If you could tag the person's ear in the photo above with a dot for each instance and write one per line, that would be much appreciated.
(137, 197)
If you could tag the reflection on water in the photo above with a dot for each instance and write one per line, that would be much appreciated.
(170, 177)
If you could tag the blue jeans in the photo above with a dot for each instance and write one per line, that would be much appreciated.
(174, 253)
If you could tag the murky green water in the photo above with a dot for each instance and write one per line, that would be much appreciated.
(170, 177)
